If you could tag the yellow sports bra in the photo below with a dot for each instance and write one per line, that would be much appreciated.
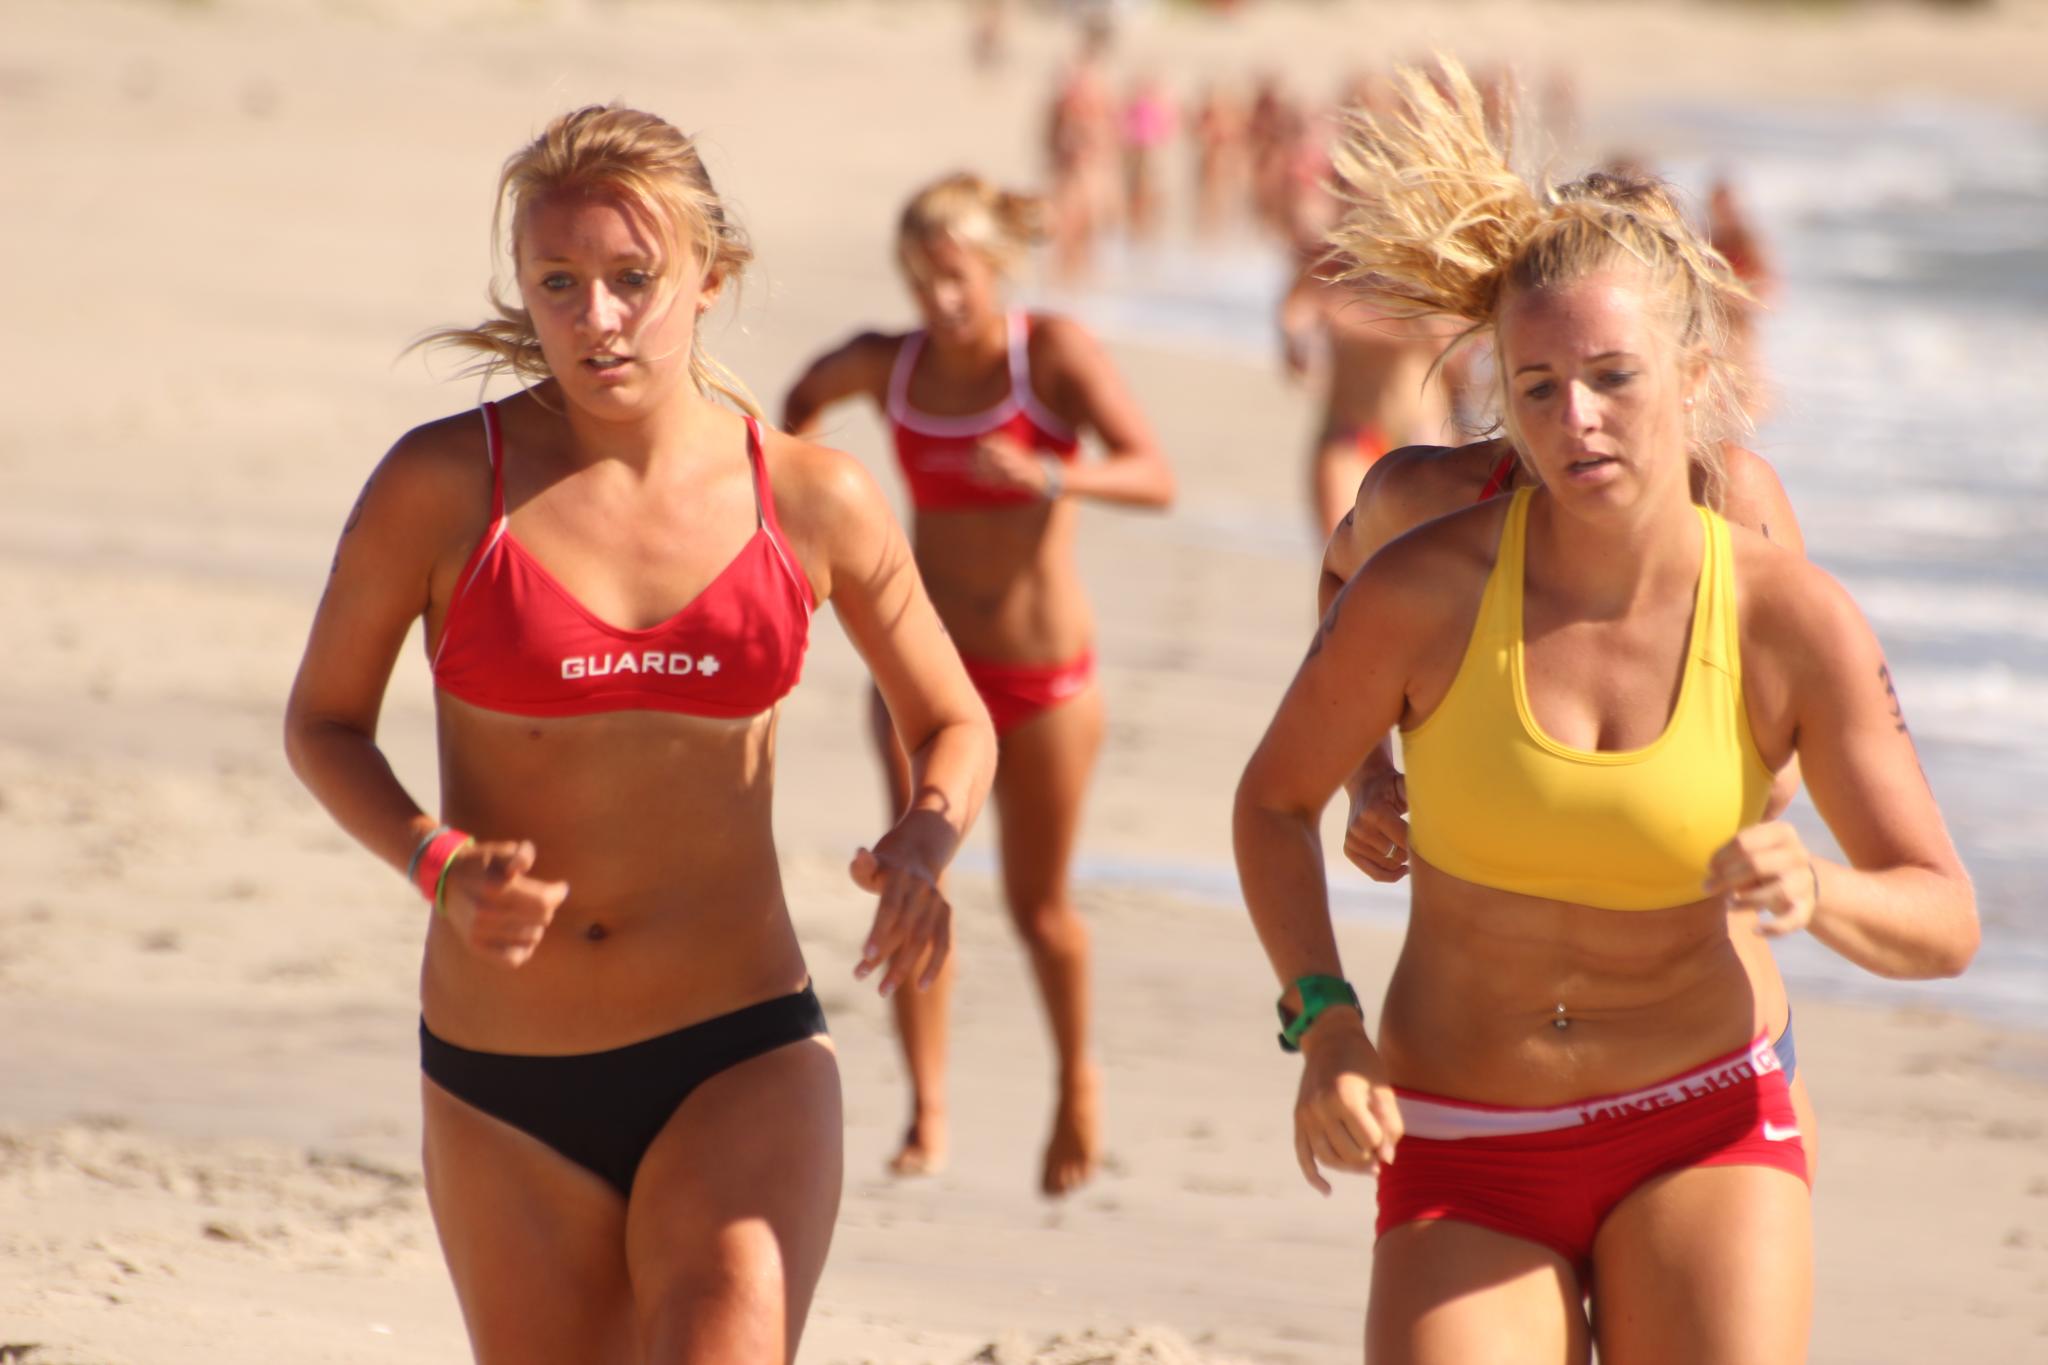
(1494, 800)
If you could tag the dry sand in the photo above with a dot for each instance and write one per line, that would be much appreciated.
(225, 219)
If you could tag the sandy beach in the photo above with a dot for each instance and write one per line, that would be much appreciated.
(228, 218)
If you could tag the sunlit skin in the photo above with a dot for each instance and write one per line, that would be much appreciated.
(1597, 395)
(1597, 402)
(615, 326)
(1418, 484)
(1005, 582)
(624, 882)
(1381, 384)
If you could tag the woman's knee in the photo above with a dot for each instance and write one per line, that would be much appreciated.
(1049, 924)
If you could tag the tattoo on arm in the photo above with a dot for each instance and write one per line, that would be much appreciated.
(355, 515)
(1325, 628)
(1884, 675)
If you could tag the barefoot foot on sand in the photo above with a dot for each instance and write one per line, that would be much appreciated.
(924, 1147)
(1074, 1148)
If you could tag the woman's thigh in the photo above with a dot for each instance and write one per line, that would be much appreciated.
(1711, 1265)
(1041, 785)
(1452, 1293)
(733, 1208)
(534, 1242)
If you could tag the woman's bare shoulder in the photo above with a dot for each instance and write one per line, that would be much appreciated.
(1428, 481)
(818, 487)
(1404, 489)
(1787, 600)
(436, 472)
(1441, 563)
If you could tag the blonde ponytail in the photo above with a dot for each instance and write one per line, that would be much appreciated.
(1003, 225)
(1438, 221)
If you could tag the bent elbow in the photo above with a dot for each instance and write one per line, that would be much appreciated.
(1255, 803)
(1960, 950)
(1244, 803)
(295, 755)
(975, 730)
(1949, 952)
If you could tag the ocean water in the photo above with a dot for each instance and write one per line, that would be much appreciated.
(1908, 355)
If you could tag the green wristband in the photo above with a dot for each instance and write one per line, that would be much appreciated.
(1318, 993)
(441, 882)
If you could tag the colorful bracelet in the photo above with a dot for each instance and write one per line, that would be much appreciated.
(441, 881)
(1318, 993)
(419, 851)
(430, 861)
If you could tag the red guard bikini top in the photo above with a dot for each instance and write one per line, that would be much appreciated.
(516, 640)
(937, 452)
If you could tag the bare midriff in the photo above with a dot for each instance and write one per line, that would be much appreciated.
(1377, 380)
(1473, 1010)
(660, 824)
(1004, 582)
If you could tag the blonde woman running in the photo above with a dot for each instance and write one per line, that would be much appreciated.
(986, 405)
(1572, 1089)
(1419, 484)
(632, 1122)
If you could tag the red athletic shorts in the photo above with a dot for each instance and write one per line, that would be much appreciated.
(1014, 693)
(1550, 1176)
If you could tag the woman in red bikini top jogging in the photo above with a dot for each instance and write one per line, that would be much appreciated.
(985, 406)
(615, 570)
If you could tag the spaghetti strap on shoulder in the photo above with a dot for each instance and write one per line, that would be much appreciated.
(494, 447)
(907, 349)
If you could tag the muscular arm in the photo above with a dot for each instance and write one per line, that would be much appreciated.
(1388, 507)
(1757, 499)
(1902, 906)
(1085, 388)
(863, 566)
(860, 367)
(420, 500)
(1349, 692)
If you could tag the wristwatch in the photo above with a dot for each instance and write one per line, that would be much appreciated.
(1318, 993)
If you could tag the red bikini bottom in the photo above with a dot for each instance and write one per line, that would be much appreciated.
(1014, 693)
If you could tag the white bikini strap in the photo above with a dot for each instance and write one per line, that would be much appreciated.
(907, 351)
(1020, 353)
(1021, 392)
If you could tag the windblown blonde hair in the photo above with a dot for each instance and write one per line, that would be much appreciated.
(1438, 221)
(651, 166)
(1001, 224)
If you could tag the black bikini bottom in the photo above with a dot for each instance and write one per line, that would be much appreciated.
(602, 1110)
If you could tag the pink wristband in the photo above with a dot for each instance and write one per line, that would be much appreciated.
(433, 861)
